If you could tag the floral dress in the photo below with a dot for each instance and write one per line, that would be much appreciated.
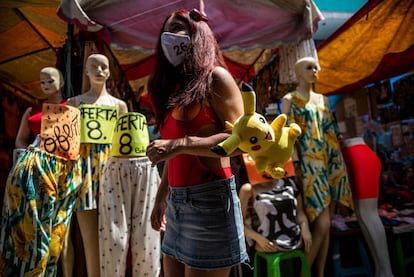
(41, 192)
(321, 168)
(93, 157)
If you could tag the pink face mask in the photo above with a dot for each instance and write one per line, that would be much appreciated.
(175, 47)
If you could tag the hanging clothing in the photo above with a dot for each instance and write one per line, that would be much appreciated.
(126, 199)
(276, 211)
(321, 168)
(41, 192)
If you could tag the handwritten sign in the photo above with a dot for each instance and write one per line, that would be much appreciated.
(131, 136)
(97, 123)
(60, 130)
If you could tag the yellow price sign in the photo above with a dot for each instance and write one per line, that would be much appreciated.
(131, 136)
(97, 123)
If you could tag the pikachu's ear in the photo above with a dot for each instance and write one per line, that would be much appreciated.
(249, 99)
(279, 122)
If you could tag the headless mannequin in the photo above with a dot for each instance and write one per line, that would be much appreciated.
(97, 70)
(364, 169)
(247, 192)
(53, 92)
(319, 214)
(51, 83)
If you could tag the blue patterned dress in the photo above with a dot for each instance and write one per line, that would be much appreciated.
(322, 170)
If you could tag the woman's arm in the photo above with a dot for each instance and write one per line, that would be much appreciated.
(226, 100)
(23, 135)
(164, 149)
(158, 211)
(227, 104)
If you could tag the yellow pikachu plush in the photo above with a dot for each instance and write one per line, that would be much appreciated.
(270, 145)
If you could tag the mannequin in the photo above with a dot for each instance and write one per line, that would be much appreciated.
(94, 152)
(262, 243)
(126, 198)
(42, 187)
(364, 170)
(51, 83)
(320, 167)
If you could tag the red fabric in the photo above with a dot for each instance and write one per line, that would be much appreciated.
(364, 170)
(139, 69)
(145, 66)
(35, 118)
(245, 72)
(189, 170)
(145, 101)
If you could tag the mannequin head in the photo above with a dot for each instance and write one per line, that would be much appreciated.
(307, 69)
(97, 68)
(51, 80)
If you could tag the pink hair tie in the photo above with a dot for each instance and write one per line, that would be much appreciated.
(196, 15)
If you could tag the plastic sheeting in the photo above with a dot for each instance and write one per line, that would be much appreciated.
(32, 33)
(376, 43)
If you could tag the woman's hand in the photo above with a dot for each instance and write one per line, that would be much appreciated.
(158, 221)
(161, 150)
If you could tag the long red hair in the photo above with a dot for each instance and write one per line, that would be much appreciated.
(190, 82)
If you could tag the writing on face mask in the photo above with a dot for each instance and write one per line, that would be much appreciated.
(175, 47)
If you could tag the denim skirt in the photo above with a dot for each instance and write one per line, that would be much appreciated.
(205, 226)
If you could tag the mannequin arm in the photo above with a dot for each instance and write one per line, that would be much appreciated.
(23, 135)
(304, 224)
(286, 103)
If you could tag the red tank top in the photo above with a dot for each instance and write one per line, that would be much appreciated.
(35, 118)
(188, 170)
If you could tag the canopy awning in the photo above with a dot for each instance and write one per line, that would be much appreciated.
(243, 28)
(376, 43)
(32, 33)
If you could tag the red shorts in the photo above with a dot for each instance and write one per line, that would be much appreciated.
(364, 171)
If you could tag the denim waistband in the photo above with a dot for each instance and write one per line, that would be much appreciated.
(218, 187)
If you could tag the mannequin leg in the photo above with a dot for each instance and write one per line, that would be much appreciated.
(67, 255)
(320, 242)
(88, 225)
(374, 234)
(114, 214)
(145, 241)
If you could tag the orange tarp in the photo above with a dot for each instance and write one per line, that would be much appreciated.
(30, 35)
(376, 43)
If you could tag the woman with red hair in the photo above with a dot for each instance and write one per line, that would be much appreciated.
(193, 94)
